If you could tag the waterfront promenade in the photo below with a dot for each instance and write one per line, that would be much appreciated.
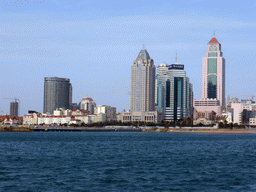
(203, 130)
(70, 128)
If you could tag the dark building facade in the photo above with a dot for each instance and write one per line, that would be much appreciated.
(14, 109)
(57, 93)
(174, 92)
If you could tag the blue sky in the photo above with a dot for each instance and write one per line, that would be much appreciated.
(95, 42)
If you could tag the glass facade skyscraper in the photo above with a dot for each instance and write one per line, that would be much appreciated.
(57, 94)
(174, 94)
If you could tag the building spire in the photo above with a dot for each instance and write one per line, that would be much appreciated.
(143, 54)
(176, 58)
(214, 33)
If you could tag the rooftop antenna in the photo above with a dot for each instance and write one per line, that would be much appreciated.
(143, 46)
(176, 58)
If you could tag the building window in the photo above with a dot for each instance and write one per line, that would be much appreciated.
(212, 54)
(212, 86)
(212, 65)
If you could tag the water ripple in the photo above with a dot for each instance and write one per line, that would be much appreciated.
(66, 161)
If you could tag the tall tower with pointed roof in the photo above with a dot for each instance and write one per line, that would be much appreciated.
(143, 83)
(213, 84)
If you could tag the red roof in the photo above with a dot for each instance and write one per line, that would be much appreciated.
(4, 116)
(8, 117)
(83, 110)
(28, 115)
(61, 116)
(213, 40)
(214, 113)
(87, 98)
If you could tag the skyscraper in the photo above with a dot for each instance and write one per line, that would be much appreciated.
(213, 80)
(143, 83)
(14, 108)
(213, 85)
(57, 93)
(174, 92)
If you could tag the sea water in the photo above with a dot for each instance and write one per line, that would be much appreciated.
(121, 161)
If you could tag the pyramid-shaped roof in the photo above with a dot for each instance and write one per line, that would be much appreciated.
(213, 40)
(143, 54)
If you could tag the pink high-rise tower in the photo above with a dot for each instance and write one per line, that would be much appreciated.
(213, 84)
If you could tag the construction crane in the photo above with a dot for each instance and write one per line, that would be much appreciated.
(252, 96)
(13, 99)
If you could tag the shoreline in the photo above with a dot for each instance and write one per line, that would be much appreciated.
(206, 131)
(150, 130)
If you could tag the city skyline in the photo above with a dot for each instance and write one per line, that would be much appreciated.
(94, 43)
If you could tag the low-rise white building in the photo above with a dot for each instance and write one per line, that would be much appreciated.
(79, 112)
(142, 116)
(119, 117)
(203, 121)
(84, 118)
(28, 119)
(66, 119)
(252, 121)
(237, 109)
(110, 112)
(61, 116)
(61, 112)
(59, 120)
(75, 122)
(31, 119)
(207, 105)
(228, 117)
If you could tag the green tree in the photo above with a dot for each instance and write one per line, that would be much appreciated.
(221, 125)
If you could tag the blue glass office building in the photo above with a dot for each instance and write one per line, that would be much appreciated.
(174, 93)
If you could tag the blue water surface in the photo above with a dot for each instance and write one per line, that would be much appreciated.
(121, 161)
